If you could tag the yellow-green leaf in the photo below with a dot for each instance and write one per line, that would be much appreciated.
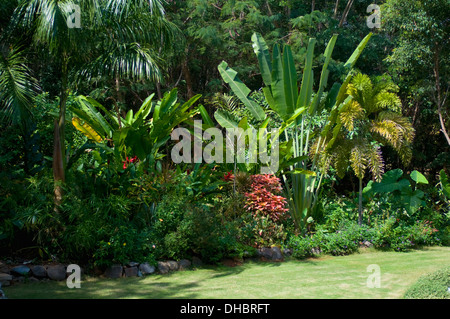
(86, 129)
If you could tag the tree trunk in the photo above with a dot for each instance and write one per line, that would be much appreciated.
(439, 99)
(336, 9)
(346, 11)
(59, 148)
(187, 77)
(360, 203)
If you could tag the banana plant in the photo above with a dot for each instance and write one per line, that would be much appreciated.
(291, 100)
(135, 134)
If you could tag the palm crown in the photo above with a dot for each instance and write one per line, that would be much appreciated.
(371, 118)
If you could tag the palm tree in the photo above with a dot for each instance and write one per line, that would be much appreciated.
(371, 118)
(83, 50)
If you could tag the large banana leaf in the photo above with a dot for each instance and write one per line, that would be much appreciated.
(225, 119)
(84, 109)
(241, 90)
(262, 53)
(86, 129)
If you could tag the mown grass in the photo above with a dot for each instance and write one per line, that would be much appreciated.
(326, 277)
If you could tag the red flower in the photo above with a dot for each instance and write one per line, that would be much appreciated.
(129, 161)
(228, 177)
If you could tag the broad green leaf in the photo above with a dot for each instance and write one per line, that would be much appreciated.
(272, 103)
(84, 109)
(412, 200)
(277, 86)
(111, 116)
(356, 54)
(325, 73)
(290, 80)
(129, 117)
(391, 182)
(166, 103)
(349, 65)
(205, 116)
(262, 53)
(225, 119)
(145, 109)
(303, 98)
(241, 90)
(418, 177)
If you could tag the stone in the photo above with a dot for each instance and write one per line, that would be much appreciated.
(5, 279)
(287, 251)
(114, 271)
(131, 271)
(39, 271)
(163, 267)
(20, 270)
(276, 254)
(196, 262)
(184, 264)
(56, 272)
(132, 264)
(173, 265)
(367, 244)
(265, 253)
(146, 269)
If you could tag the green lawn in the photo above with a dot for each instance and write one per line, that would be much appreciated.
(325, 277)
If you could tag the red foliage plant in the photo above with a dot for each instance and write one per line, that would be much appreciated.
(263, 199)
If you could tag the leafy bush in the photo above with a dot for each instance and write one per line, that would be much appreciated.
(339, 243)
(124, 245)
(301, 246)
(401, 236)
(431, 286)
(267, 208)
(344, 241)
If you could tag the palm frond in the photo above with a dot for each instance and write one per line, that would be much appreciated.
(127, 60)
(359, 159)
(125, 7)
(385, 100)
(350, 112)
(394, 128)
(18, 85)
(360, 88)
(376, 162)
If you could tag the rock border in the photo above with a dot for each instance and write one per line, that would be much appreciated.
(27, 272)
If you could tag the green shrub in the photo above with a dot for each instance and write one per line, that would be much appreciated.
(340, 243)
(301, 246)
(435, 285)
(400, 236)
(126, 244)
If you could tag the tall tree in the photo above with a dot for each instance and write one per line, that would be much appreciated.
(50, 23)
(421, 31)
(371, 118)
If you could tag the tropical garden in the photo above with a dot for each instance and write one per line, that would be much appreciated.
(341, 128)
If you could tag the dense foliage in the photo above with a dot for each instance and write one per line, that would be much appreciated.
(88, 115)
